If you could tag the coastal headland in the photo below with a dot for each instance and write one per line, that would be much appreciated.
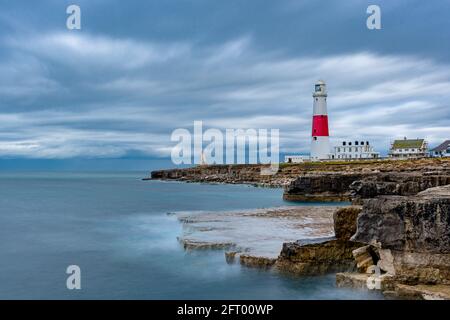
(395, 237)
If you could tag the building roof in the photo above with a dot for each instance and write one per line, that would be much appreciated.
(407, 143)
(443, 146)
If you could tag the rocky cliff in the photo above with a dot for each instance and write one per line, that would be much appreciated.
(413, 231)
(232, 174)
(356, 185)
(320, 187)
(397, 183)
(312, 181)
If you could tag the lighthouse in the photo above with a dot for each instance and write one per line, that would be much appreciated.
(320, 141)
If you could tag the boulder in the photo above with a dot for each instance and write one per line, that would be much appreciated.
(365, 258)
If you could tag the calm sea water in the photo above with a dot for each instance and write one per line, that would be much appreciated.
(116, 228)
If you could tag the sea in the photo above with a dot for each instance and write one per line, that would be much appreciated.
(121, 234)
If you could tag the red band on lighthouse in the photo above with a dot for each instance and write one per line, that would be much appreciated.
(320, 126)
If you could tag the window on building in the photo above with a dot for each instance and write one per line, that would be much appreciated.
(343, 143)
(356, 143)
(367, 142)
(349, 143)
(338, 149)
(406, 150)
(362, 143)
(315, 138)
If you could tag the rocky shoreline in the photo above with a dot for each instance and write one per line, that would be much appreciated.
(396, 237)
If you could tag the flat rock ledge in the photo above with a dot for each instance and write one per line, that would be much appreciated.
(254, 238)
(421, 292)
(356, 280)
(324, 248)
(250, 261)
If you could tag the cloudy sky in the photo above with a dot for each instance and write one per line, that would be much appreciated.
(137, 70)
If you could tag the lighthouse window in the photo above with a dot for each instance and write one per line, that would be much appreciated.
(317, 87)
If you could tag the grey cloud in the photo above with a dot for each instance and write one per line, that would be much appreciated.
(98, 96)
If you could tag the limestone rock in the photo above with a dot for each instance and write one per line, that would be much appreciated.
(419, 223)
(423, 292)
(256, 262)
(345, 222)
(364, 257)
(397, 183)
(317, 256)
(364, 281)
(416, 232)
(321, 187)
(386, 261)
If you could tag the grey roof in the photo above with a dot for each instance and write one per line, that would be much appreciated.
(443, 146)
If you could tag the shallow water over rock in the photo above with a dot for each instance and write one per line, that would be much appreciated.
(259, 232)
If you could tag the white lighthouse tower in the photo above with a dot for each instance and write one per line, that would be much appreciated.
(320, 142)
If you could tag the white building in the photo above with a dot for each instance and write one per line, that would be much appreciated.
(354, 150)
(295, 159)
(442, 150)
(408, 149)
